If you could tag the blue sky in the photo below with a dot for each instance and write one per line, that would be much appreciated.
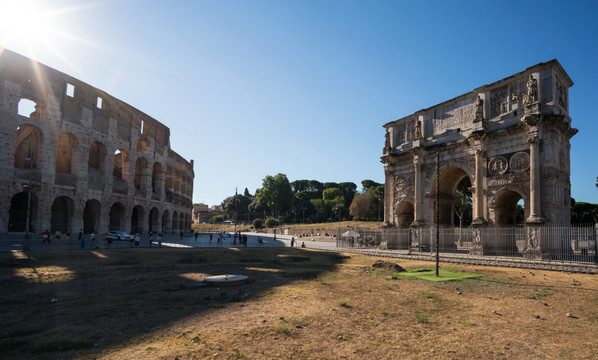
(256, 88)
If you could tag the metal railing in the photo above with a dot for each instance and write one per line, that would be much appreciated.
(546, 243)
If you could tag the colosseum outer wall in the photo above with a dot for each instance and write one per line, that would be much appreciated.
(83, 159)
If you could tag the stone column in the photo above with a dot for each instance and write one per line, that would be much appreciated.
(535, 216)
(419, 193)
(388, 210)
(478, 210)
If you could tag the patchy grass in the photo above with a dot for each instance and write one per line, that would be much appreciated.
(344, 302)
(430, 275)
(130, 304)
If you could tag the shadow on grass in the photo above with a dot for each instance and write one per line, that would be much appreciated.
(77, 303)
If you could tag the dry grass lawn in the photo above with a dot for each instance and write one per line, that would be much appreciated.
(299, 304)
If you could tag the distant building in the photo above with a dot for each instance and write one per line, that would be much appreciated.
(203, 214)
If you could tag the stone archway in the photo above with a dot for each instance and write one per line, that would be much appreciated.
(153, 223)
(450, 178)
(91, 216)
(166, 221)
(137, 219)
(117, 216)
(61, 214)
(405, 214)
(17, 215)
(504, 206)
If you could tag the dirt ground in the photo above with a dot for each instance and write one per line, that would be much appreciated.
(298, 304)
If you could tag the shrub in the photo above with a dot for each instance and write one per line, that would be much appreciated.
(258, 223)
(271, 222)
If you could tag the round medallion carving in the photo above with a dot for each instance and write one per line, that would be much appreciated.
(519, 162)
(497, 166)
(399, 184)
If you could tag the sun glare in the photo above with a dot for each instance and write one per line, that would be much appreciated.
(21, 22)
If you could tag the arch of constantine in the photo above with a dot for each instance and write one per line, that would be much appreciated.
(73, 157)
(510, 139)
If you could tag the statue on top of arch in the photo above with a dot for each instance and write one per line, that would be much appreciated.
(531, 94)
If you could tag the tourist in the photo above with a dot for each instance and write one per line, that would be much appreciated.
(160, 237)
(195, 235)
(137, 239)
(68, 235)
(303, 244)
(81, 240)
(151, 240)
(92, 240)
(292, 241)
(181, 235)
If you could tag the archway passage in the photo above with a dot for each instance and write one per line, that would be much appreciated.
(506, 208)
(17, 215)
(62, 209)
(137, 220)
(175, 221)
(153, 224)
(451, 179)
(91, 216)
(405, 215)
(165, 221)
(117, 216)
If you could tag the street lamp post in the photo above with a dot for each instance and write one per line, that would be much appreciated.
(27, 221)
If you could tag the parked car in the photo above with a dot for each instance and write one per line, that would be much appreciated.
(118, 235)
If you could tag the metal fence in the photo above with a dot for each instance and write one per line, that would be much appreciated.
(539, 243)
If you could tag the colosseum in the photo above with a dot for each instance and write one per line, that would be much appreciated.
(73, 157)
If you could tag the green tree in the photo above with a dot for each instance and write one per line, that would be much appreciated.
(307, 195)
(236, 204)
(321, 211)
(271, 222)
(275, 193)
(348, 189)
(376, 209)
(334, 199)
(217, 219)
(369, 184)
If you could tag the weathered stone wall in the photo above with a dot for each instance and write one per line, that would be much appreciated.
(93, 161)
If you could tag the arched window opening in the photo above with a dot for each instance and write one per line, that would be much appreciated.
(29, 108)
(95, 168)
(65, 150)
(120, 169)
(27, 147)
(143, 147)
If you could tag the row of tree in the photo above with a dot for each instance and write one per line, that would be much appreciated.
(307, 201)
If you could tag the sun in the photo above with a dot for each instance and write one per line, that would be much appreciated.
(22, 21)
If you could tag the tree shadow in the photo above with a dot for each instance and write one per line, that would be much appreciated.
(86, 302)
